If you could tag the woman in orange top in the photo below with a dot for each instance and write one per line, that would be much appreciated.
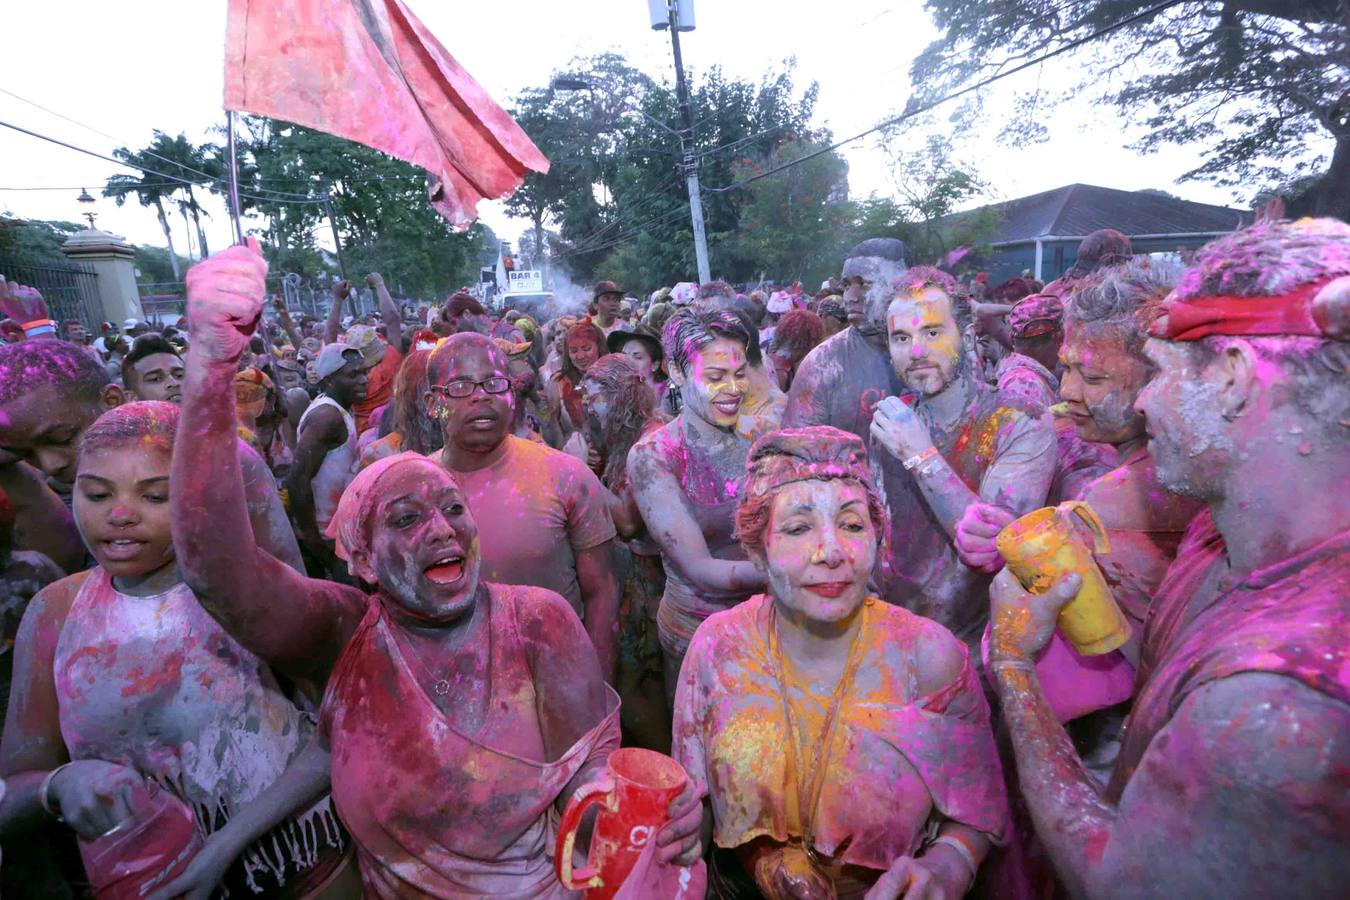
(844, 743)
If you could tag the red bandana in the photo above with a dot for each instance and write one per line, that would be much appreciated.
(1283, 314)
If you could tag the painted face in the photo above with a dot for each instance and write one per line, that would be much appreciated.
(1188, 438)
(637, 351)
(596, 404)
(820, 548)
(158, 376)
(480, 421)
(424, 543)
(856, 290)
(607, 306)
(582, 351)
(717, 382)
(43, 427)
(1101, 381)
(121, 505)
(924, 341)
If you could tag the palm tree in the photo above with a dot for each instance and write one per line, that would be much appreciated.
(150, 190)
(185, 164)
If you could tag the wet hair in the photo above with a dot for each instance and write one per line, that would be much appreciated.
(779, 458)
(694, 327)
(1105, 247)
(583, 329)
(149, 424)
(632, 405)
(1270, 258)
(798, 332)
(918, 278)
(1127, 297)
(28, 365)
(882, 248)
(420, 432)
(454, 346)
(146, 345)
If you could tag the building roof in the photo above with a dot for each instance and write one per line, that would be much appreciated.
(1077, 210)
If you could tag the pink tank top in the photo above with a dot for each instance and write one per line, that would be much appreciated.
(156, 684)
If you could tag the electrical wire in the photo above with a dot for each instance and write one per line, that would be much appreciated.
(925, 107)
(130, 165)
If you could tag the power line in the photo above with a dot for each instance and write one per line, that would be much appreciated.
(148, 170)
(186, 168)
(923, 108)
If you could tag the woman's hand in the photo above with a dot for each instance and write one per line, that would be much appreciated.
(914, 879)
(786, 873)
(199, 879)
(94, 796)
(1022, 621)
(680, 840)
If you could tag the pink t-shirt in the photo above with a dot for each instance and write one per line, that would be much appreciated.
(536, 507)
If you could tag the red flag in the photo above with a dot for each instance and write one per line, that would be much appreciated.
(369, 71)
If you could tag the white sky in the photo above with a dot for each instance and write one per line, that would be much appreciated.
(125, 69)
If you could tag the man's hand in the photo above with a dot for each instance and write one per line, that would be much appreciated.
(283, 314)
(1022, 621)
(976, 534)
(897, 428)
(341, 289)
(21, 303)
(374, 280)
(678, 840)
(225, 300)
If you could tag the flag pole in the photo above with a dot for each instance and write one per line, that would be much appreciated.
(232, 175)
(337, 243)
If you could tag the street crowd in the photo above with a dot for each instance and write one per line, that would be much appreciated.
(354, 607)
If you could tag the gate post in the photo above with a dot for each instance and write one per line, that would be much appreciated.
(114, 261)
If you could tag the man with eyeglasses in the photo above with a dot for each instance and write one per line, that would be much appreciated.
(541, 514)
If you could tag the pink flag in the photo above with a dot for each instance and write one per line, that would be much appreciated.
(368, 71)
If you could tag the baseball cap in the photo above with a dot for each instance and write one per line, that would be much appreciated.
(365, 340)
(333, 357)
(1035, 315)
(606, 287)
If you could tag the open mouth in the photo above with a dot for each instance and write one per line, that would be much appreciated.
(446, 570)
(728, 407)
(122, 548)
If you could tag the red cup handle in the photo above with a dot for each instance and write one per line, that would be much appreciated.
(601, 791)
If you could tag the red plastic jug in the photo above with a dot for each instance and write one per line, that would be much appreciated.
(159, 839)
(634, 797)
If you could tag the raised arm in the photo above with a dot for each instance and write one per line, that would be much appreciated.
(670, 522)
(284, 318)
(296, 623)
(389, 314)
(333, 324)
(1240, 795)
(271, 527)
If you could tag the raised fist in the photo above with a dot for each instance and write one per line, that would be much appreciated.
(21, 303)
(374, 279)
(341, 289)
(225, 300)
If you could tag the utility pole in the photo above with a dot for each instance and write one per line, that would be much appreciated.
(689, 161)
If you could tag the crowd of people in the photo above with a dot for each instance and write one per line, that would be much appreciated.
(353, 607)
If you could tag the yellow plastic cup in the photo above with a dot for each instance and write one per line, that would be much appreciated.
(1042, 547)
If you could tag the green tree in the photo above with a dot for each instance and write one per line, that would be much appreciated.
(384, 218)
(35, 240)
(931, 185)
(1249, 81)
(793, 225)
(153, 190)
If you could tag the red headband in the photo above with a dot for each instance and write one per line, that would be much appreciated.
(1282, 314)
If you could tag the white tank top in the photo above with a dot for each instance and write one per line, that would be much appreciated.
(338, 468)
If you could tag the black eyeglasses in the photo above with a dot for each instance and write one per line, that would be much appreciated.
(463, 387)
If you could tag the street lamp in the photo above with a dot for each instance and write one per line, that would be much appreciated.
(87, 202)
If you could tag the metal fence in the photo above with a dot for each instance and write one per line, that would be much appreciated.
(70, 289)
